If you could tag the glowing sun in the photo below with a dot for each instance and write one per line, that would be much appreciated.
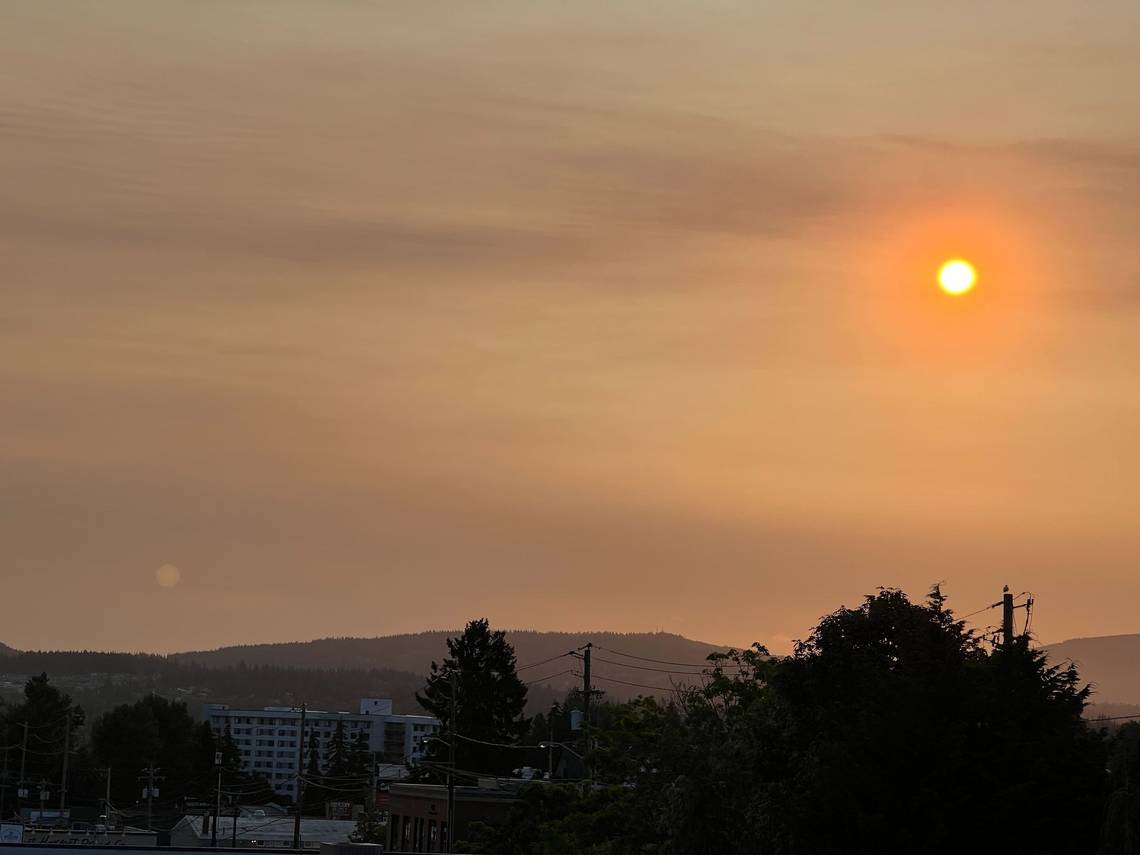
(957, 276)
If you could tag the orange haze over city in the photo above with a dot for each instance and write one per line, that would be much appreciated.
(355, 319)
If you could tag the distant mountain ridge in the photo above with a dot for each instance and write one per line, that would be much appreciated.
(621, 658)
(1110, 662)
(624, 664)
(332, 673)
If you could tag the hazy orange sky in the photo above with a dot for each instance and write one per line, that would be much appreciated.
(373, 317)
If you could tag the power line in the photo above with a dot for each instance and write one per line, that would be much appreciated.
(245, 830)
(544, 679)
(237, 789)
(979, 611)
(477, 776)
(1113, 718)
(494, 744)
(460, 773)
(240, 793)
(50, 753)
(362, 777)
(326, 787)
(45, 725)
(543, 662)
(705, 664)
(645, 667)
(638, 685)
(991, 606)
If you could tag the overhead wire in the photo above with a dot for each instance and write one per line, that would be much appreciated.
(644, 667)
(460, 773)
(1113, 718)
(637, 685)
(542, 662)
(493, 744)
(549, 677)
(45, 725)
(478, 776)
(988, 633)
(705, 664)
(979, 611)
(994, 605)
(49, 753)
(326, 787)
(277, 820)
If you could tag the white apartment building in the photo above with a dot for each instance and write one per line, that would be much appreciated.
(268, 738)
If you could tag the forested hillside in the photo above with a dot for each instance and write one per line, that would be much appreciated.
(415, 651)
(334, 673)
(625, 664)
(99, 681)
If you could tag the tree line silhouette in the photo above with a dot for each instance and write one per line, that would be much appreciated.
(891, 728)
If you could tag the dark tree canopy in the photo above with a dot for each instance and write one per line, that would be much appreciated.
(371, 827)
(1120, 834)
(155, 731)
(314, 793)
(49, 715)
(889, 730)
(489, 702)
(336, 757)
(906, 732)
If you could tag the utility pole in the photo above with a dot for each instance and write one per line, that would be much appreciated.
(370, 804)
(300, 779)
(1006, 617)
(587, 693)
(66, 756)
(22, 786)
(454, 684)
(217, 802)
(4, 786)
(151, 792)
(233, 835)
(1007, 610)
(107, 798)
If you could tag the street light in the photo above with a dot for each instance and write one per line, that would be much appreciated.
(550, 756)
(450, 743)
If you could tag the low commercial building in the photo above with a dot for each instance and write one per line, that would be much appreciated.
(13, 833)
(417, 813)
(268, 738)
(194, 831)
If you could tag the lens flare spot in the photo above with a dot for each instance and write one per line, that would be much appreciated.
(167, 576)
